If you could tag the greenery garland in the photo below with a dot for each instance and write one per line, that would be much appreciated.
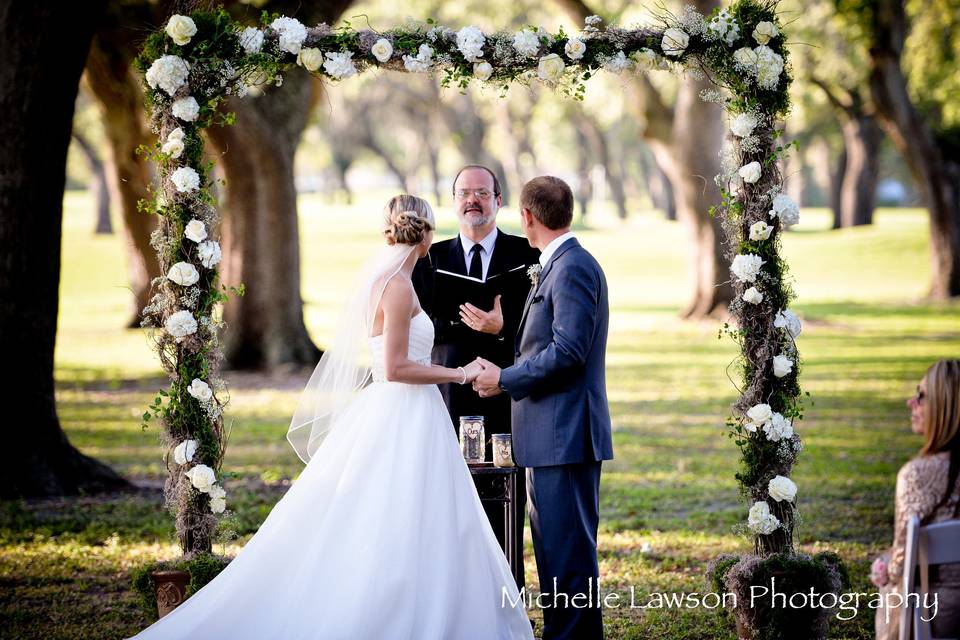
(192, 65)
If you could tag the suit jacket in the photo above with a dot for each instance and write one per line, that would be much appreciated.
(456, 344)
(558, 384)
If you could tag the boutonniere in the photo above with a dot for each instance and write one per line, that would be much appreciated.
(534, 273)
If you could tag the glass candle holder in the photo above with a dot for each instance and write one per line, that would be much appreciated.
(502, 450)
(472, 438)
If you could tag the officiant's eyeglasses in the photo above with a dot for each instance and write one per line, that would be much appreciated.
(463, 194)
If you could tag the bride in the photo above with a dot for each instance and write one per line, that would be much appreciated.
(382, 535)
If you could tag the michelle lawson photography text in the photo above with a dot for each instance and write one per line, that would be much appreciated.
(848, 604)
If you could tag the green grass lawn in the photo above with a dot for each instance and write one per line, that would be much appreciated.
(867, 339)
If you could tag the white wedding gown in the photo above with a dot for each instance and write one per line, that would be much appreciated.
(381, 536)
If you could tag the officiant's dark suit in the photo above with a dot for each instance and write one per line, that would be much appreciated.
(456, 344)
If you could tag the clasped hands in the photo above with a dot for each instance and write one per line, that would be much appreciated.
(485, 377)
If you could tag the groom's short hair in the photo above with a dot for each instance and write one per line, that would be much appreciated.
(496, 182)
(550, 200)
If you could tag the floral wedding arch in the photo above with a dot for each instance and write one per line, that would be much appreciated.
(193, 64)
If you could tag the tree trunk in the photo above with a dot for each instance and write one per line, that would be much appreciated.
(461, 117)
(118, 92)
(836, 187)
(935, 173)
(858, 197)
(265, 327)
(45, 45)
(101, 192)
(584, 188)
(597, 140)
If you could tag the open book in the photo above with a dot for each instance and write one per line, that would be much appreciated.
(454, 289)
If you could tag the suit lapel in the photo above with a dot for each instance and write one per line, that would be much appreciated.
(458, 263)
(566, 246)
(499, 260)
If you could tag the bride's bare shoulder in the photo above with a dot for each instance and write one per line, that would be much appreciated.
(398, 294)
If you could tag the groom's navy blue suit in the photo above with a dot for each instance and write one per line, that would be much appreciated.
(561, 432)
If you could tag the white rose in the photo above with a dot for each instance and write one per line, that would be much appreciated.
(526, 43)
(183, 274)
(202, 477)
(340, 64)
(617, 63)
(291, 32)
(209, 253)
(181, 29)
(765, 31)
(550, 68)
(782, 365)
(750, 172)
(674, 42)
(382, 50)
(470, 41)
(195, 230)
(746, 266)
(743, 124)
(789, 321)
(786, 209)
(575, 48)
(183, 453)
(746, 59)
(173, 147)
(769, 67)
(483, 70)
(310, 58)
(782, 488)
(760, 231)
(186, 109)
(218, 505)
(169, 73)
(646, 59)
(176, 134)
(251, 39)
(180, 324)
(753, 296)
(422, 62)
(761, 520)
(779, 428)
(185, 179)
(760, 414)
(200, 390)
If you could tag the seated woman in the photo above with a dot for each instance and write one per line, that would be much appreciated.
(927, 487)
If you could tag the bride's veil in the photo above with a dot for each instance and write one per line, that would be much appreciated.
(341, 372)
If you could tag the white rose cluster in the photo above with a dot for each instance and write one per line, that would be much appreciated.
(340, 64)
(723, 26)
(617, 63)
(183, 274)
(291, 33)
(782, 489)
(470, 41)
(422, 62)
(204, 480)
(760, 231)
(209, 253)
(647, 59)
(762, 62)
(185, 179)
(778, 428)
(788, 321)
(180, 324)
(675, 42)
(218, 499)
(186, 109)
(765, 31)
(760, 520)
(181, 29)
(575, 48)
(174, 146)
(786, 209)
(551, 68)
(251, 39)
(169, 73)
(753, 296)
(746, 266)
(743, 124)
(526, 43)
(382, 50)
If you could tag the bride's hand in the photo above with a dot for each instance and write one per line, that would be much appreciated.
(472, 370)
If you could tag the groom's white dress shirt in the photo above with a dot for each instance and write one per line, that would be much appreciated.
(551, 248)
(486, 250)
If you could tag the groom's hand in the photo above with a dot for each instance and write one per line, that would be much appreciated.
(483, 321)
(487, 383)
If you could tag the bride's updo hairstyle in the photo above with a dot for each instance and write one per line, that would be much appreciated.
(407, 219)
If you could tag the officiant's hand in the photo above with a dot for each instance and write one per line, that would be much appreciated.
(487, 383)
(483, 321)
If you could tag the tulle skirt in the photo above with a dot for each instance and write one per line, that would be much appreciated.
(381, 536)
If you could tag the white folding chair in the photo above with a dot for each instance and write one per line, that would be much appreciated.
(933, 544)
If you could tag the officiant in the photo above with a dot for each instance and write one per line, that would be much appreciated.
(474, 287)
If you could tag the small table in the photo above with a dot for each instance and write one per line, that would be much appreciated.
(497, 488)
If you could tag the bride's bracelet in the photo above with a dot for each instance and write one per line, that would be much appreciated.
(464, 372)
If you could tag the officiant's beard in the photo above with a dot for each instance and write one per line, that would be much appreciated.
(475, 220)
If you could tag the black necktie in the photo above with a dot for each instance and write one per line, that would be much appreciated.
(476, 266)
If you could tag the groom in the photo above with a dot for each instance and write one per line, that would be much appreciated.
(561, 421)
